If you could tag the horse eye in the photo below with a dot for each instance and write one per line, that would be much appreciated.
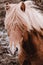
(22, 6)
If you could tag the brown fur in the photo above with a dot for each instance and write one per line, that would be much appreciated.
(32, 48)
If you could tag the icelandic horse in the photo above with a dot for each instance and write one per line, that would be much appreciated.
(24, 24)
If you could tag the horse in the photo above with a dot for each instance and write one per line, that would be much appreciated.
(24, 24)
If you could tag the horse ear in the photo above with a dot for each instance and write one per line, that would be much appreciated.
(22, 6)
(7, 6)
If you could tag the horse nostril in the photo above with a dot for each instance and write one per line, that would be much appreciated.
(16, 49)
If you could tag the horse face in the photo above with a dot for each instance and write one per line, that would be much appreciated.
(14, 26)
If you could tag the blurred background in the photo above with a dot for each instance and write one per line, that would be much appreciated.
(4, 58)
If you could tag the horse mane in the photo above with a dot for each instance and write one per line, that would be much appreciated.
(31, 18)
